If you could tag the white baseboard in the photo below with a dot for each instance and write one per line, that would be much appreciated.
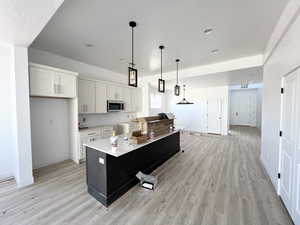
(5, 175)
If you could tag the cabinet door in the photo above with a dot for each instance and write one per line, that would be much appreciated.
(101, 100)
(127, 99)
(136, 100)
(67, 85)
(86, 96)
(119, 93)
(111, 92)
(107, 132)
(41, 82)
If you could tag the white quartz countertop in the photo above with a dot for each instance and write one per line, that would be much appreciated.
(123, 147)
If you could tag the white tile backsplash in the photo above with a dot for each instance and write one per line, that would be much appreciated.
(90, 120)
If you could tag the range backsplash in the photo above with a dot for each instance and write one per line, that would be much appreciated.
(90, 120)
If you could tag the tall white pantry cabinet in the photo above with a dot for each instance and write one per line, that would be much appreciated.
(84, 96)
(50, 82)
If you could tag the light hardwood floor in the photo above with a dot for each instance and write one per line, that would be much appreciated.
(216, 181)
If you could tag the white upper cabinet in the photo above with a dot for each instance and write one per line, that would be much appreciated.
(41, 82)
(101, 100)
(127, 99)
(48, 81)
(94, 94)
(136, 100)
(67, 85)
(114, 92)
(86, 96)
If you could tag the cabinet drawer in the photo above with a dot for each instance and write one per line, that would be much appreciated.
(107, 132)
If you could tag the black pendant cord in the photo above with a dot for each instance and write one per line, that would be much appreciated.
(132, 47)
(132, 24)
(177, 73)
(161, 63)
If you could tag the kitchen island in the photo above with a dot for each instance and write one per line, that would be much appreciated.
(111, 170)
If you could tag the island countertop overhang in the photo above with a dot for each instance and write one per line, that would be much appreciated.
(124, 147)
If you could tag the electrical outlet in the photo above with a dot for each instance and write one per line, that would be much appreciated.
(101, 160)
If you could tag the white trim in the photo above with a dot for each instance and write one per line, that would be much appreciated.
(6, 175)
(52, 68)
(229, 65)
(280, 138)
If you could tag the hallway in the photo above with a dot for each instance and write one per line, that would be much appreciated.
(218, 180)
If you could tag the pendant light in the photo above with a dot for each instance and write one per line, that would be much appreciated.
(161, 82)
(132, 71)
(177, 87)
(184, 101)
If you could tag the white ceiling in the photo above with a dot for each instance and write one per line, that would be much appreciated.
(231, 78)
(241, 28)
(22, 21)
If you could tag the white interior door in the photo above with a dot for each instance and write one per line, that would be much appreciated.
(289, 183)
(296, 178)
(243, 107)
(214, 116)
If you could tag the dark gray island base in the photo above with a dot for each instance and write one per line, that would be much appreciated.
(109, 177)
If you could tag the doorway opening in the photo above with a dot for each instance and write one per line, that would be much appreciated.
(245, 107)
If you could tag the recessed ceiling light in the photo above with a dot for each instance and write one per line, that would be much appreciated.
(89, 45)
(215, 51)
(208, 31)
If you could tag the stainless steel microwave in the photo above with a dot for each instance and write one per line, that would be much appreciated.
(115, 106)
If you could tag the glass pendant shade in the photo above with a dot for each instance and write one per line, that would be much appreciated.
(161, 85)
(132, 77)
(177, 87)
(161, 82)
(177, 90)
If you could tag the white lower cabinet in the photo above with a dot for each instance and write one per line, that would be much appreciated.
(88, 137)
(91, 135)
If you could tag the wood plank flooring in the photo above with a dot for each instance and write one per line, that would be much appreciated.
(218, 180)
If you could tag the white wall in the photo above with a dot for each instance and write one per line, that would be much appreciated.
(190, 116)
(84, 70)
(163, 108)
(49, 130)
(281, 60)
(20, 23)
(259, 107)
(15, 153)
(6, 149)
(21, 117)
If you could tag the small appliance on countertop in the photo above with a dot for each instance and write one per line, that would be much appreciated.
(127, 128)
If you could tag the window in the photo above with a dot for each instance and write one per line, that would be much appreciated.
(155, 101)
